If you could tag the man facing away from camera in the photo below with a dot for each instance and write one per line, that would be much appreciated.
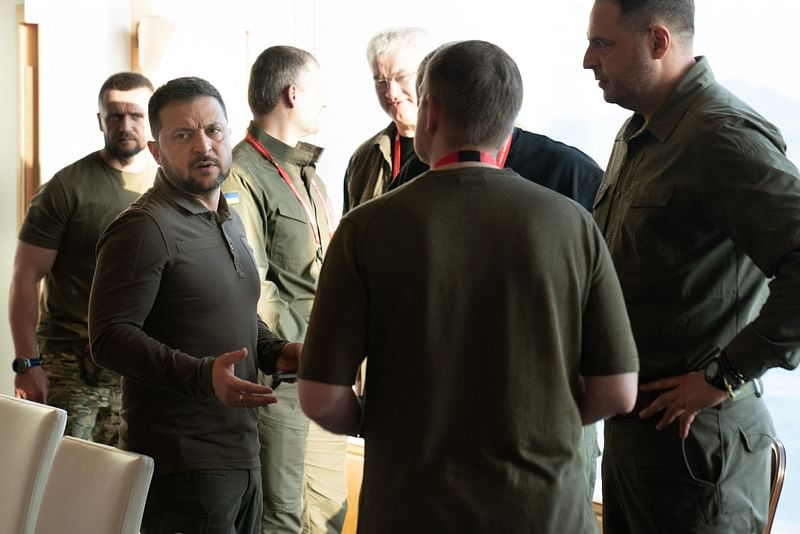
(501, 342)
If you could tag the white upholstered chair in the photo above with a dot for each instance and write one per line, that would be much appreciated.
(94, 489)
(28, 441)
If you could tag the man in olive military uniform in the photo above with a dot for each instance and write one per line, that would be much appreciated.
(289, 221)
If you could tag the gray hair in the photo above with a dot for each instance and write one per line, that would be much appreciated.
(398, 38)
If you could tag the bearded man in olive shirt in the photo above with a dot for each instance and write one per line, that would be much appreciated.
(173, 310)
(700, 208)
(57, 246)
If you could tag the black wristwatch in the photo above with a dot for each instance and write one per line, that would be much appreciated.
(22, 365)
(715, 375)
(719, 374)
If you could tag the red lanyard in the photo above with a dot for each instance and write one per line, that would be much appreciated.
(255, 143)
(503, 154)
(474, 155)
(396, 162)
(465, 155)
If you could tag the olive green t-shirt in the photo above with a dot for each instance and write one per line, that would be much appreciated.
(479, 298)
(68, 214)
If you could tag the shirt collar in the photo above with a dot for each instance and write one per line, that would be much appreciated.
(301, 154)
(385, 140)
(667, 117)
(187, 201)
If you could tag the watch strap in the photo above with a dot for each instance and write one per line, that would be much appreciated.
(22, 365)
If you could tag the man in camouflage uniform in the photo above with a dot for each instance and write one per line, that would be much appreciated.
(57, 243)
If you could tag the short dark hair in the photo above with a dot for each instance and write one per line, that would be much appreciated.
(478, 88)
(678, 15)
(275, 69)
(123, 81)
(180, 89)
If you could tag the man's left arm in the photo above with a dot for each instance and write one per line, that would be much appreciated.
(754, 197)
(756, 200)
(275, 353)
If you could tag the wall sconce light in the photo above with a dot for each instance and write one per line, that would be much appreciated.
(153, 34)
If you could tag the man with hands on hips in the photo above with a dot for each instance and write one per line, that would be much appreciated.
(701, 212)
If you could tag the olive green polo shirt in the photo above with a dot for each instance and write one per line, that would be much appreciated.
(176, 286)
(287, 247)
(700, 207)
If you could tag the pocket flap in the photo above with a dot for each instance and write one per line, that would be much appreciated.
(292, 210)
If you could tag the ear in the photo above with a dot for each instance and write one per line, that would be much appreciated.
(290, 94)
(660, 41)
(99, 122)
(153, 147)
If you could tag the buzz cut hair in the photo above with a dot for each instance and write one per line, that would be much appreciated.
(123, 81)
(275, 69)
(677, 15)
(478, 88)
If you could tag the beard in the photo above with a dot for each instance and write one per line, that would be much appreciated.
(196, 186)
(116, 150)
(193, 185)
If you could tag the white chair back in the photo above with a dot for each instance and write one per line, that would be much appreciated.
(94, 488)
(28, 441)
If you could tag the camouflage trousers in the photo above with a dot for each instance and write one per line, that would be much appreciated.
(92, 403)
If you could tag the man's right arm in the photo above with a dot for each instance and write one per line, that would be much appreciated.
(31, 264)
(131, 258)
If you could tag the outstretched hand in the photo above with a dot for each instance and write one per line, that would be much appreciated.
(232, 390)
(686, 396)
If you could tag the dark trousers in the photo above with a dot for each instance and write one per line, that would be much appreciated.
(204, 502)
(714, 482)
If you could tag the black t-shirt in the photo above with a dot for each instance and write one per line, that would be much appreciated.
(406, 154)
(538, 158)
